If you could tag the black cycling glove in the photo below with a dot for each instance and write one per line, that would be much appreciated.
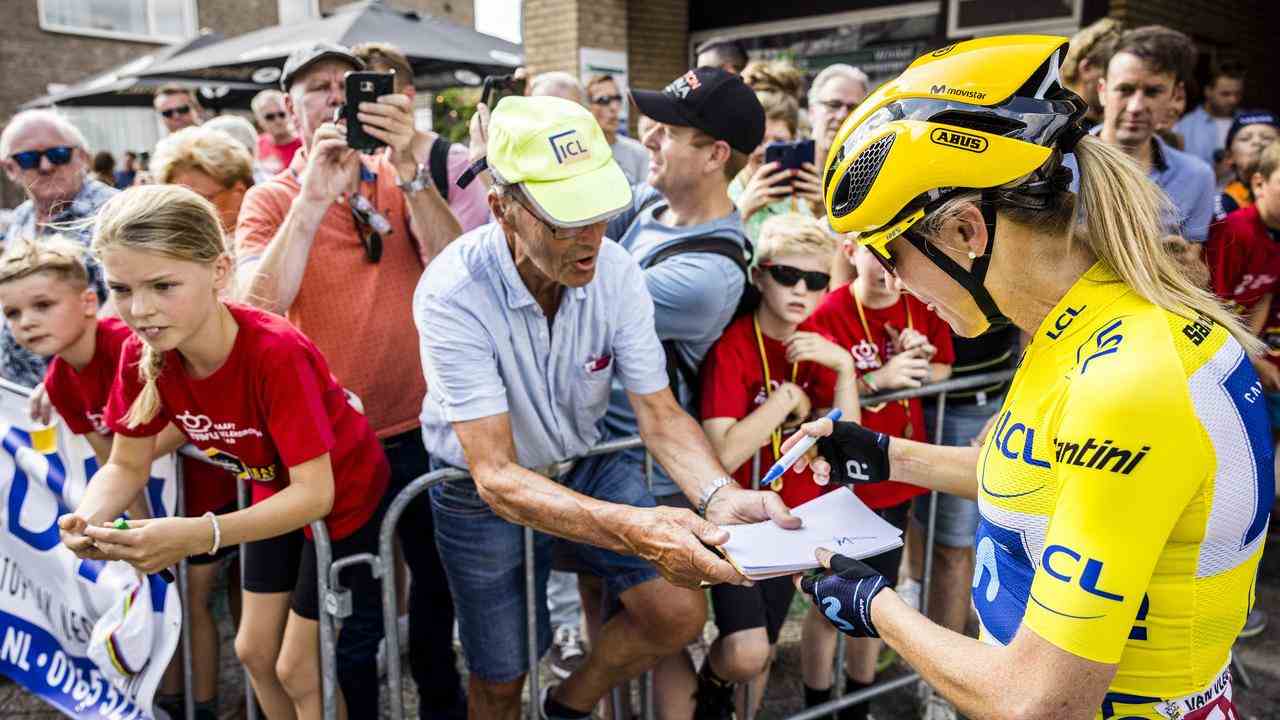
(857, 455)
(844, 597)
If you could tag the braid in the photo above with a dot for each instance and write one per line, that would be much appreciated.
(147, 404)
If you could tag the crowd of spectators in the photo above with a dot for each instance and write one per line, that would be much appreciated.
(674, 285)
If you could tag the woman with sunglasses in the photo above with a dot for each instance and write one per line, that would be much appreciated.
(771, 367)
(1125, 487)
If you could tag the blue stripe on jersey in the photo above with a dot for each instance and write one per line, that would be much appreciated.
(1245, 390)
(1002, 574)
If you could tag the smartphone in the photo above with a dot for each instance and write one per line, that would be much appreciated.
(364, 87)
(497, 87)
(789, 155)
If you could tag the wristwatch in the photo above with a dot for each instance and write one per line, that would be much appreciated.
(709, 492)
(418, 183)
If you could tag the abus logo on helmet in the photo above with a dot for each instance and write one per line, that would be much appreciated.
(957, 139)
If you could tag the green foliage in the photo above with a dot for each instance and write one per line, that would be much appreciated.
(451, 112)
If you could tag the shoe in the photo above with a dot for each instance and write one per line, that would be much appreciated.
(713, 702)
(567, 653)
(402, 631)
(935, 707)
(909, 591)
(1254, 624)
(542, 705)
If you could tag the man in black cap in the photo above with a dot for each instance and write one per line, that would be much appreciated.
(707, 122)
(336, 244)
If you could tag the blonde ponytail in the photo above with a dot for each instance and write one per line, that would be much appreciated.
(147, 404)
(1125, 215)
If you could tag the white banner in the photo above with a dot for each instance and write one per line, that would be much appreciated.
(51, 601)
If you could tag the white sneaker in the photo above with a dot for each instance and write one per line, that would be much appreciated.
(934, 706)
(567, 652)
(909, 591)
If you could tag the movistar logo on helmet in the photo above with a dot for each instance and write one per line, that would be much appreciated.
(568, 147)
(943, 50)
(959, 92)
(957, 139)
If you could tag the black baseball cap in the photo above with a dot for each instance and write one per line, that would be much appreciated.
(305, 57)
(1251, 117)
(712, 100)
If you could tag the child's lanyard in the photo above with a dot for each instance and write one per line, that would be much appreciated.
(776, 435)
(906, 404)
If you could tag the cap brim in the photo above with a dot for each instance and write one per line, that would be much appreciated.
(661, 107)
(582, 200)
(356, 64)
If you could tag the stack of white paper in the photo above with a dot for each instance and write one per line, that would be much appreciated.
(837, 521)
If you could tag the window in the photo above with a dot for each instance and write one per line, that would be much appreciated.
(967, 18)
(296, 11)
(148, 20)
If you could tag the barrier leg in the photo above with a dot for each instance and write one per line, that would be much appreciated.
(531, 622)
(250, 701)
(926, 578)
(646, 694)
(755, 485)
(184, 590)
(328, 635)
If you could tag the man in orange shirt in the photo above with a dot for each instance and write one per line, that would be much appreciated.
(337, 244)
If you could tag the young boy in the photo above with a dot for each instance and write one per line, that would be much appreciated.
(52, 311)
(770, 369)
(1250, 133)
(896, 342)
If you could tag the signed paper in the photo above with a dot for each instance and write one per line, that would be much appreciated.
(838, 521)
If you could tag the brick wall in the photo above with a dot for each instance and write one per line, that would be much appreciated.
(550, 32)
(1244, 30)
(658, 38)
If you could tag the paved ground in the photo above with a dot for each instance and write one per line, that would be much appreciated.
(1261, 655)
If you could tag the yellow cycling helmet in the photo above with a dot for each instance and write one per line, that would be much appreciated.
(973, 115)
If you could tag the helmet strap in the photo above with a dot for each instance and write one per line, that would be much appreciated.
(971, 280)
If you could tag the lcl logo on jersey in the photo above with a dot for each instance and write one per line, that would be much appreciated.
(1064, 321)
(1069, 571)
(957, 139)
(1008, 435)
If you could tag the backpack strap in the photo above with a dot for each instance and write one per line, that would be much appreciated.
(678, 369)
(438, 163)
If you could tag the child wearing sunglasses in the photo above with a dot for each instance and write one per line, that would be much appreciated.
(896, 342)
(771, 368)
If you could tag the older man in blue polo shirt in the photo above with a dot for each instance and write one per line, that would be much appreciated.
(524, 324)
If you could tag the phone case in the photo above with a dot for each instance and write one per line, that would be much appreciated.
(364, 87)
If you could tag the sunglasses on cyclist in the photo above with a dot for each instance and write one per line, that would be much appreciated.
(180, 110)
(788, 276)
(30, 159)
(272, 116)
(603, 100)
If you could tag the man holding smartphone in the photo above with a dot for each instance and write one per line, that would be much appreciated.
(337, 244)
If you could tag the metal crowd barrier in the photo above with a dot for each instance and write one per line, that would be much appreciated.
(383, 568)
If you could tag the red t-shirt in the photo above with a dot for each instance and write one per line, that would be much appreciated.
(733, 387)
(80, 397)
(838, 317)
(1242, 259)
(272, 405)
(275, 158)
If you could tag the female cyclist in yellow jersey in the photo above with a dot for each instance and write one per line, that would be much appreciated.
(1124, 489)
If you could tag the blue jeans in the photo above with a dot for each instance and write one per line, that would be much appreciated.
(957, 517)
(483, 556)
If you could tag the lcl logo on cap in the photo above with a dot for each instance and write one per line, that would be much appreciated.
(568, 147)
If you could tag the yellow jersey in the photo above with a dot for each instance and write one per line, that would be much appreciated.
(1124, 493)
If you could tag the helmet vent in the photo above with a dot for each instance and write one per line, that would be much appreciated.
(985, 122)
(860, 176)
